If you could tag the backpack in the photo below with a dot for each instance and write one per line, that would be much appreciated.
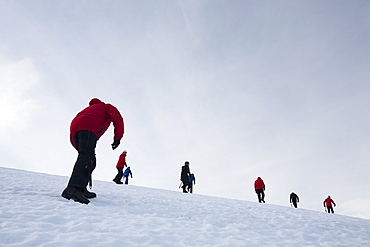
(191, 178)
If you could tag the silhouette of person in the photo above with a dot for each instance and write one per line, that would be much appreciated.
(185, 173)
(120, 165)
(126, 174)
(259, 187)
(328, 203)
(191, 181)
(294, 199)
(85, 130)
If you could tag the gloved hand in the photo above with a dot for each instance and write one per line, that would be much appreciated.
(115, 144)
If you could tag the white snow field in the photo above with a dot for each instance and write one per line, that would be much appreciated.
(32, 213)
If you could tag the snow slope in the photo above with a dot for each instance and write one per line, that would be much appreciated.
(32, 213)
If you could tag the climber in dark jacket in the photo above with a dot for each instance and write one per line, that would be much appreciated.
(185, 173)
(294, 199)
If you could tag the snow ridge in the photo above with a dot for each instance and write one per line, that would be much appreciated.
(32, 213)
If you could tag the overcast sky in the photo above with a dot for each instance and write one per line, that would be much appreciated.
(241, 89)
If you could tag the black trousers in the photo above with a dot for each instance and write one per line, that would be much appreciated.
(330, 209)
(185, 185)
(86, 161)
(119, 174)
(295, 203)
(261, 195)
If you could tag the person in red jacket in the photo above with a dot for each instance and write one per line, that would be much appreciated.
(120, 165)
(328, 203)
(259, 187)
(85, 130)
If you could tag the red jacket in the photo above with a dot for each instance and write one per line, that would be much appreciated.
(122, 160)
(96, 118)
(328, 201)
(259, 184)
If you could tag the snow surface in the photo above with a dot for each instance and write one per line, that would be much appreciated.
(32, 213)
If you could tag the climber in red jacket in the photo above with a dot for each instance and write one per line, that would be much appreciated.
(86, 129)
(120, 165)
(328, 203)
(259, 187)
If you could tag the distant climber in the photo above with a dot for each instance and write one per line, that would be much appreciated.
(120, 165)
(185, 173)
(191, 181)
(126, 174)
(328, 203)
(294, 199)
(259, 187)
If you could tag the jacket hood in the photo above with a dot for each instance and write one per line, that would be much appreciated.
(95, 101)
